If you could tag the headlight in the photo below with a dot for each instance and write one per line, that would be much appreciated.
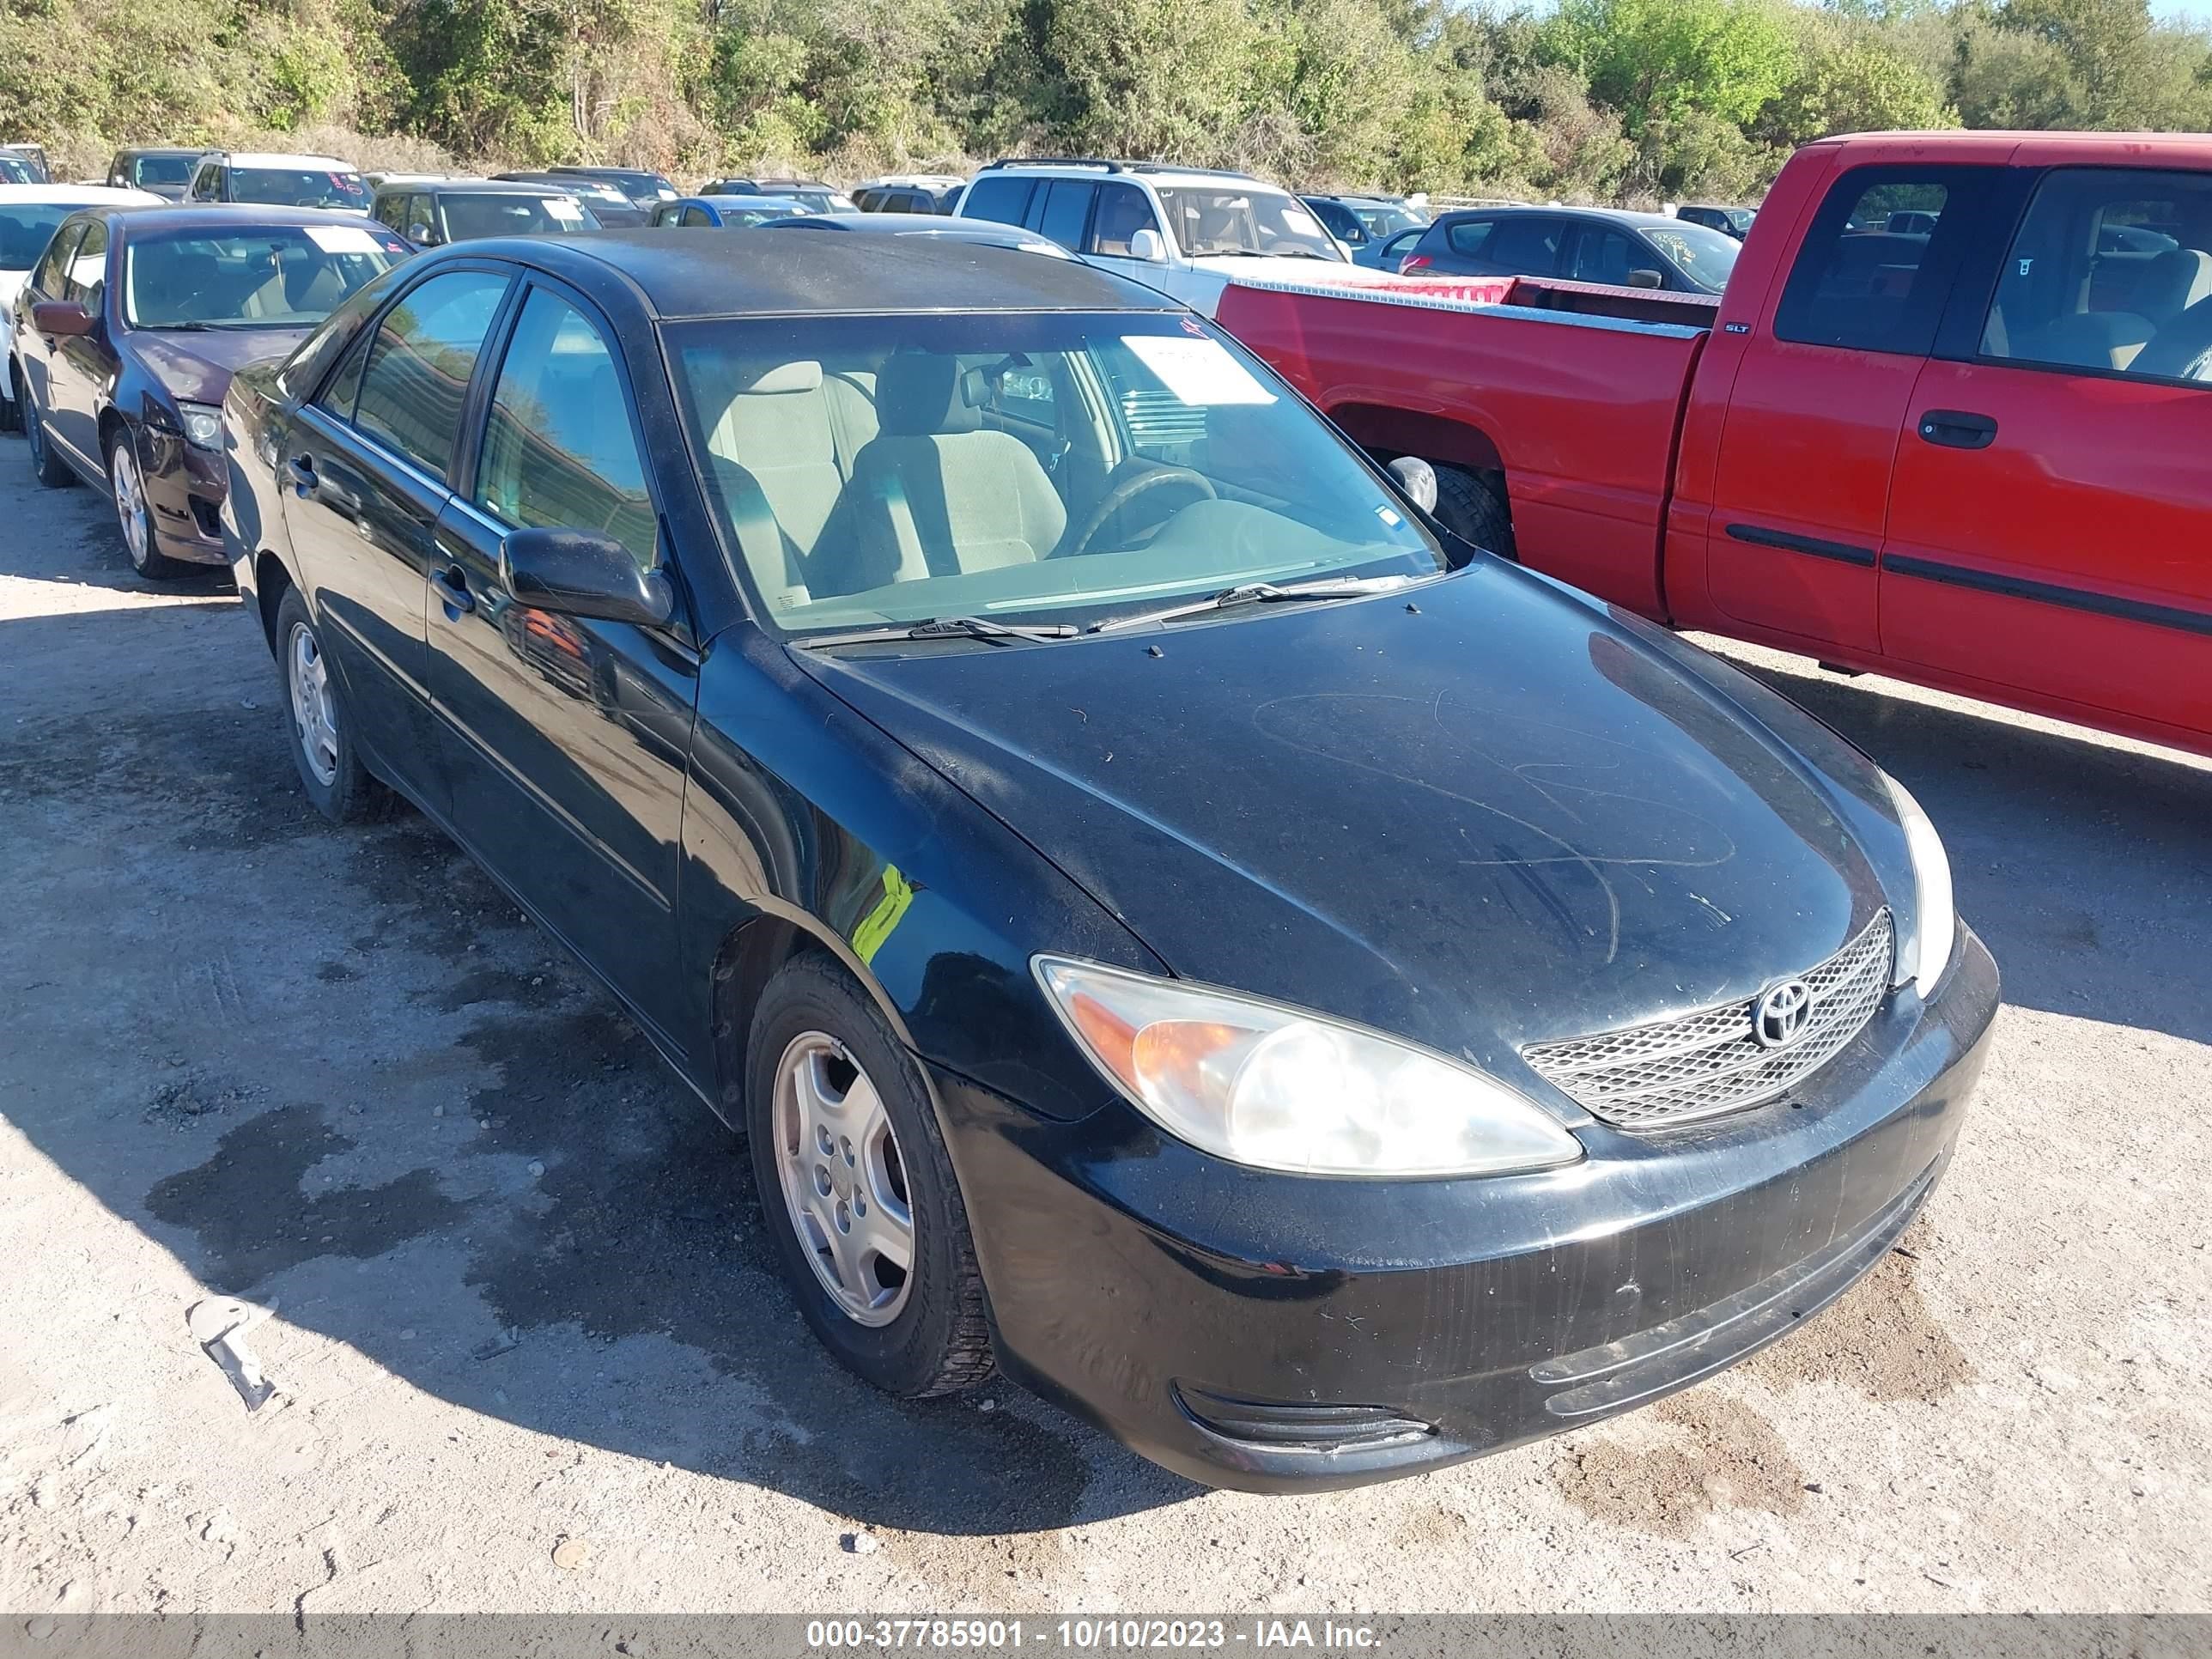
(202, 425)
(1926, 947)
(1278, 1088)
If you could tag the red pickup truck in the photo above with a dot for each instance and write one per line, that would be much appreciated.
(1952, 420)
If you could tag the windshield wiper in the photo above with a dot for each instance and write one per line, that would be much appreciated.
(940, 627)
(1296, 253)
(1329, 588)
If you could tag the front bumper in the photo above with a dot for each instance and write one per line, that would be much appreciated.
(1279, 1333)
(184, 488)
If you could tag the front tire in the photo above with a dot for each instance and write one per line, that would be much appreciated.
(853, 1177)
(134, 516)
(322, 733)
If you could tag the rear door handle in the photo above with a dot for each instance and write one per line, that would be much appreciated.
(1958, 428)
(452, 586)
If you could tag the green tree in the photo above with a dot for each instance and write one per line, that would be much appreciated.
(1649, 58)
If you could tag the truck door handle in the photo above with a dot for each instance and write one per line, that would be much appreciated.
(452, 586)
(1956, 428)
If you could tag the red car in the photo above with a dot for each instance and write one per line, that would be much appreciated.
(1949, 421)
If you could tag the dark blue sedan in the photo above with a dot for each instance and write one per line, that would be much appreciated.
(1171, 923)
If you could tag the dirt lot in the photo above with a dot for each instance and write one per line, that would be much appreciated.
(531, 1354)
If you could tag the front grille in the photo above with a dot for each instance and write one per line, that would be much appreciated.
(1703, 1064)
(1281, 1426)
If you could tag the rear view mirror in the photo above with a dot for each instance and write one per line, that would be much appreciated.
(583, 573)
(1146, 245)
(65, 318)
(1646, 279)
(1418, 479)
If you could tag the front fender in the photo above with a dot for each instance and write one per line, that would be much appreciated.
(801, 814)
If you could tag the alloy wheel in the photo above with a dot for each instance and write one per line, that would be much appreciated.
(130, 504)
(314, 715)
(844, 1181)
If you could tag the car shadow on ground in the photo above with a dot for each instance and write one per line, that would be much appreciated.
(2084, 865)
(338, 1070)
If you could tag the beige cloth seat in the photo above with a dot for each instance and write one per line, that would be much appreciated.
(783, 450)
(936, 493)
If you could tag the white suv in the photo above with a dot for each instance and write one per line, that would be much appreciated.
(1183, 230)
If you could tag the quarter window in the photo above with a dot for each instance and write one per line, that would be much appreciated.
(2111, 272)
(1469, 236)
(1877, 266)
(558, 452)
(415, 367)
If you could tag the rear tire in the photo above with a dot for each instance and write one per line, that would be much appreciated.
(821, 1061)
(47, 467)
(1475, 509)
(322, 729)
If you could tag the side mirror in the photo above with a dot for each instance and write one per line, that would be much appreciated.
(583, 573)
(1418, 479)
(421, 236)
(1148, 245)
(1646, 279)
(61, 317)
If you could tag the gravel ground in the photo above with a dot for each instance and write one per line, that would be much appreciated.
(531, 1354)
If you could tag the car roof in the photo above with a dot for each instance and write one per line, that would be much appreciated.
(682, 276)
(213, 216)
(76, 196)
(270, 158)
(720, 202)
(467, 186)
(161, 150)
(1627, 216)
(1158, 173)
(606, 173)
(924, 224)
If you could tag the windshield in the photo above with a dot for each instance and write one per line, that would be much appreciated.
(1216, 218)
(285, 276)
(494, 214)
(1061, 467)
(1699, 252)
(26, 227)
(743, 218)
(306, 187)
(151, 170)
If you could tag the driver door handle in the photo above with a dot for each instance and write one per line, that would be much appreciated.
(450, 585)
(302, 469)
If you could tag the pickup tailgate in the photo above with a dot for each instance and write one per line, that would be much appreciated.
(1575, 392)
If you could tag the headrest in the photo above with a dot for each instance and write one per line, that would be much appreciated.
(802, 376)
(2174, 280)
(921, 393)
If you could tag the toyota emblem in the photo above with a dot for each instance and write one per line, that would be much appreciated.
(1777, 1018)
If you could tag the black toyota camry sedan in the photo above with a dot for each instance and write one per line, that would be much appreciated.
(1314, 997)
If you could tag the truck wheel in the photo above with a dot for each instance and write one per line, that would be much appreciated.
(1474, 509)
(857, 1190)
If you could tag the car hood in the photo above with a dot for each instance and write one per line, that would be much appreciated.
(1480, 813)
(197, 366)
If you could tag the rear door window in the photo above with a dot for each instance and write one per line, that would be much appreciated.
(2111, 272)
(1067, 212)
(1525, 247)
(1003, 198)
(416, 367)
(1859, 284)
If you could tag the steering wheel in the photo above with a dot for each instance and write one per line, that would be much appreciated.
(1126, 491)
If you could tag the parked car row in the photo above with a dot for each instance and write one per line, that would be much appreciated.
(888, 648)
